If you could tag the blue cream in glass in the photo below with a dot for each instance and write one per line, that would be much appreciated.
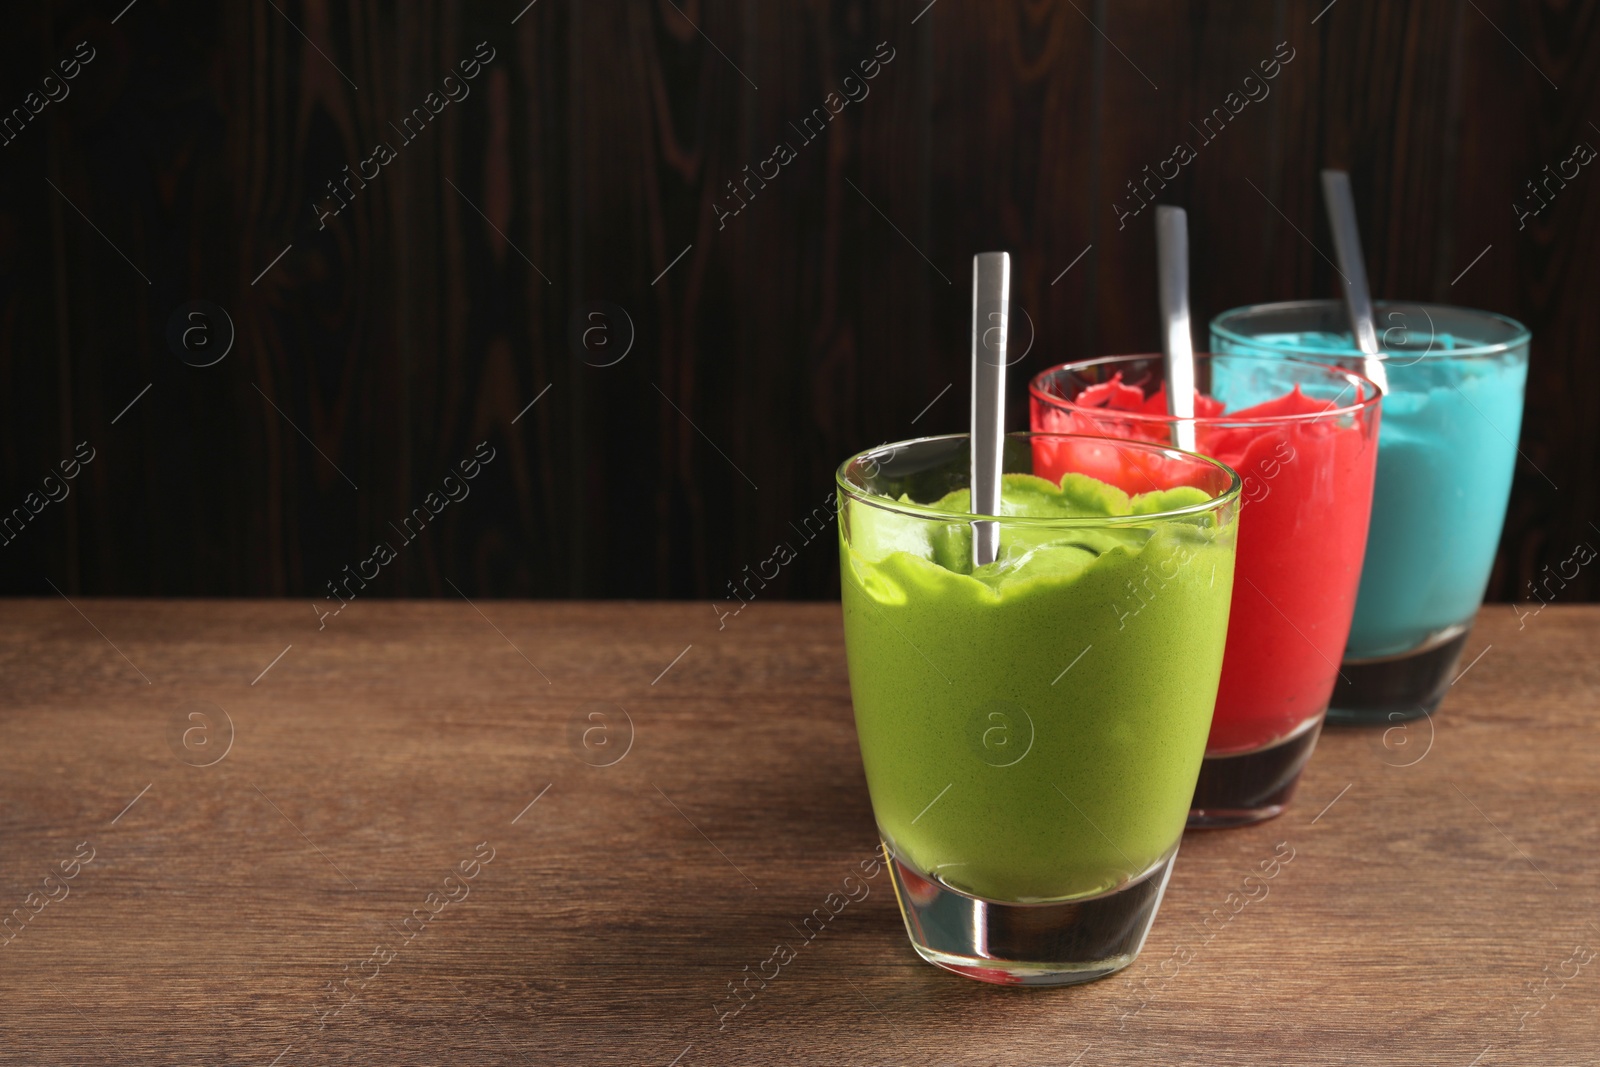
(1447, 450)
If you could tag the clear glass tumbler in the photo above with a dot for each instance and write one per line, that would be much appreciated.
(1030, 745)
(1451, 417)
(1304, 439)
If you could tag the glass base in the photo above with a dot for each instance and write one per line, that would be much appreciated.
(1028, 944)
(1389, 689)
(1246, 787)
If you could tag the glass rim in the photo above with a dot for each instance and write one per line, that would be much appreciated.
(927, 511)
(1521, 335)
(1036, 391)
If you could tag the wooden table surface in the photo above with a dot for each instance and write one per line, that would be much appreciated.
(427, 833)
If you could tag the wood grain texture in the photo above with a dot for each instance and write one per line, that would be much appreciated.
(607, 139)
(1441, 873)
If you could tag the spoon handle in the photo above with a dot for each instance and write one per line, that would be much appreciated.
(991, 308)
(1177, 341)
(1347, 249)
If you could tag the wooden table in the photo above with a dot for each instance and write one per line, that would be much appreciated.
(271, 882)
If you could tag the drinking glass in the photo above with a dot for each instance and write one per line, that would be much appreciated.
(1456, 379)
(1303, 437)
(1031, 749)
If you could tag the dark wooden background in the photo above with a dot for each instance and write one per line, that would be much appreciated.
(825, 317)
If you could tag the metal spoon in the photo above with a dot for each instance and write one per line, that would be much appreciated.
(1357, 295)
(991, 308)
(1172, 267)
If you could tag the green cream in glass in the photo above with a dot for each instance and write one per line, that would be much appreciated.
(1032, 729)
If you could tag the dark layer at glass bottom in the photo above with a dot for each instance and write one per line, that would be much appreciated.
(1028, 944)
(1390, 689)
(1249, 787)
